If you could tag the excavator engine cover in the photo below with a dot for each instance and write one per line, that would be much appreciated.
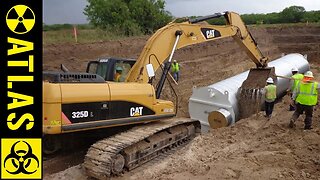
(250, 95)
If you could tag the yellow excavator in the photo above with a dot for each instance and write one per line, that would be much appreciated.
(77, 102)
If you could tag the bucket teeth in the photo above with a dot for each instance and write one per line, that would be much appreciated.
(249, 101)
(257, 94)
(254, 93)
(251, 93)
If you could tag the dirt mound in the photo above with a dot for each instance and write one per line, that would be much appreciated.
(253, 148)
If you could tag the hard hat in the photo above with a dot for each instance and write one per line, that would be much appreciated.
(174, 60)
(308, 74)
(294, 69)
(118, 68)
(269, 80)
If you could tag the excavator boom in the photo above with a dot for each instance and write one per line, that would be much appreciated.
(177, 35)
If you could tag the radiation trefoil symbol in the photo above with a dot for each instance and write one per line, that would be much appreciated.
(20, 19)
(22, 161)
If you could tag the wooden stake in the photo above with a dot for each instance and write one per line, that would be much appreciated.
(75, 33)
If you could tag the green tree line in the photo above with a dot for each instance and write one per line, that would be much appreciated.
(292, 14)
(136, 17)
(56, 27)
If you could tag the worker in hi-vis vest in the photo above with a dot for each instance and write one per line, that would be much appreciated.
(175, 69)
(306, 97)
(296, 77)
(270, 96)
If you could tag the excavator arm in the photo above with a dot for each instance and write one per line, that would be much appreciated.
(245, 40)
(177, 35)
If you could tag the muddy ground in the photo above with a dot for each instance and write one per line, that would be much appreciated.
(253, 148)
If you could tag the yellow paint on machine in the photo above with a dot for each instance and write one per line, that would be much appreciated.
(84, 92)
(56, 94)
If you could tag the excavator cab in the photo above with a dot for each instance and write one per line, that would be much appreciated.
(107, 68)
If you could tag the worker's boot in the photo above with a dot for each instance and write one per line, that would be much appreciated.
(307, 123)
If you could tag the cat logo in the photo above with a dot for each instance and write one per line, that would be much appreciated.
(136, 111)
(20, 19)
(21, 158)
(210, 34)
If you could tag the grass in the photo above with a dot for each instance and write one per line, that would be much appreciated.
(87, 34)
(84, 36)
(285, 25)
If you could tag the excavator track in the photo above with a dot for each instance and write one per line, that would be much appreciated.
(132, 148)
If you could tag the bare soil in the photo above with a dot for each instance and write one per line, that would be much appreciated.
(253, 148)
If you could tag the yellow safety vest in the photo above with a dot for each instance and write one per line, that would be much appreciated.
(297, 77)
(271, 92)
(175, 67)
(307, 93)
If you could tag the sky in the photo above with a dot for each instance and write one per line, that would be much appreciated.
(71, 11)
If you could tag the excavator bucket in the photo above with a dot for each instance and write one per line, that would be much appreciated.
(250, 95)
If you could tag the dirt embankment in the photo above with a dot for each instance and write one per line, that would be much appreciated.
(253, 148)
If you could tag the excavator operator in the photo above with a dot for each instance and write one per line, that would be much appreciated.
(117, 76)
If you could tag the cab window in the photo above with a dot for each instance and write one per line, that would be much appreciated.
(102, 70)
(98, 68)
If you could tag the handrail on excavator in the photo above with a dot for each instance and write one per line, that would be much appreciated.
(204, 18)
